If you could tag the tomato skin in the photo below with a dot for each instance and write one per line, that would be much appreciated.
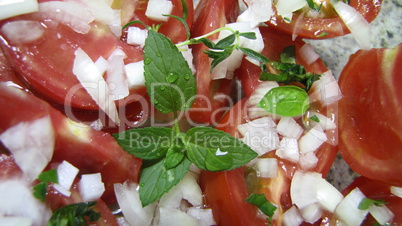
(89, 150)
(333, 26)
(8, 167)
(210, 15)
(370, 129)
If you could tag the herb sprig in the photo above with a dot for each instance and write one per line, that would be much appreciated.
(45, 178)
(74, 214)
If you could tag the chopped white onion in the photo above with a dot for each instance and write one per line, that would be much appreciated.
(258, 11)
(382, 214)
(260, 92)
(356, 23)
(136, 36)
(23, 31)
(324, 122)
(91, 79)
(285, 8)
(66, 174)
(267, 167)
(288, 127)
(312, 140)
(129, 201)
(325, 90)
(288, 149)
(15, 221)
(348, 209)
(308, 54)
(169, 216)
(91, 187)
(204, 216)
(102, 65)
(188, 56)
(328, 196)
(14, 8)
(17, 200)
(32, 145)
(101, 10)
(71, 14)
(311, 213)
(292, 217)
(308, 161)
(115, 24)
(396, 191)
(135, 74)
(157, 8)
(303, 188)
(115, 75)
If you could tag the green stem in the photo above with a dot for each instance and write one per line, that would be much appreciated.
(196, 40)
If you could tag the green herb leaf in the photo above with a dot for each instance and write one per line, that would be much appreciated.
(249, 35)
(322, 34)
(49, 176)
(40, 191)
(288, 55)
(366, 202)
(214, 150)
(225, 42)
(74, 214)
(314, 5)
(255, 55)
(156, 180)
(146, 143)
(135, 22)
(208, 43)
(287, 101)
(175, 154)
(315, 118)
(185, 9)
(168, 78)
(183, 21)
(263, 204)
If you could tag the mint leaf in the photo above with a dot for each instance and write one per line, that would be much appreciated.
(263, 204)
(287, 101)
(49, 176)
(215, 150)
(74, 214)
(156, 180)
(366, 202)
(175, 154)
(169, 81)
(146, 143)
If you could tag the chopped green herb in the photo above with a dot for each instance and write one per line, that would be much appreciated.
(322, 34)
(49, 176)
(40, 191)
(74, 214)
(313, 5)
(366, 202)
(315, 118)
(263, 204)
(287, 19)
(45, 178)
(287, 101)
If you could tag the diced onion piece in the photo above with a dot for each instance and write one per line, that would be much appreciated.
(308, 161)
(156, 9)
(288, 127)
(267, 167)
(311, 213)
(115, 24)
(396, 191)
(171, 199)
(348, 209)
(308, 54)
(292, 217)
(325, 90)
(14, 8)
(285, 8)
(328, 196)
(260, 92)
(136, 36)
(256, 45)
(91, 187)
(17, 200)
(312, 140)
(66, 174)
(97, 125)
(102, 65)
(115, 75)
(324, 122)
(129, 201)
(303, 188)
(15, 221)
(101, 10)
(382, 214)
(169, 216)
(288, 149)
(356, 23)
(69, 13)
(23, 31)
(204, 216)
(91, 79)
(258, 11)
(135, 74)
(32, 145)
(188, 56)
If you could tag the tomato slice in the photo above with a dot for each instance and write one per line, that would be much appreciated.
(328, 26)
(89, 150)
(369, 114)
(212, 95)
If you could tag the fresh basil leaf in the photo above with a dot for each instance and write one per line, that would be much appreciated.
(227, 151)
(249, 35)
(263, 204)
(175, 154)
(74, 214)
(40, 191)
(168, 78)
(146, 143)
(289, 101)
(255, 55)
(183, 21)
(156, 180)
(366, 202)
(225, 42)
(49, 176)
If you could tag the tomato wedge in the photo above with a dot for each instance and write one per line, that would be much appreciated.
(369, 114)
(327, 26)
(212, 95)
(89, 150)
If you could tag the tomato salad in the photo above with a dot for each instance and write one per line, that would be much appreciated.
(196, 113)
